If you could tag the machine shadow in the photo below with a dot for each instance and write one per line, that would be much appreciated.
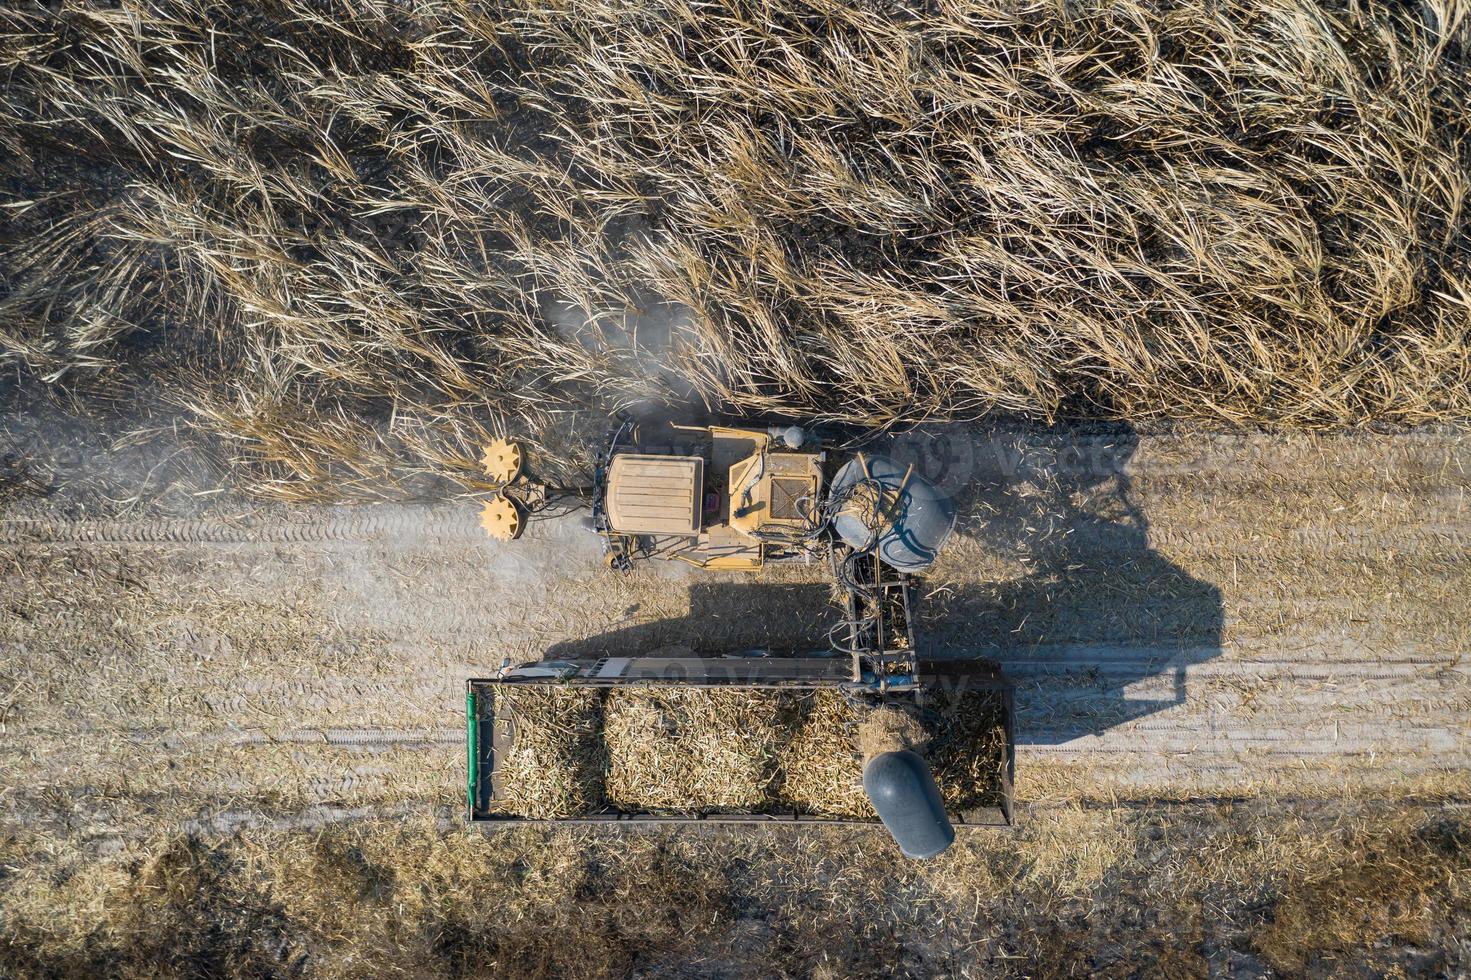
(1094, 626)
(1060, 585)
(723, 618)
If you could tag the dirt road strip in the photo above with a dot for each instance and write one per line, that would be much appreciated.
(1181, 615)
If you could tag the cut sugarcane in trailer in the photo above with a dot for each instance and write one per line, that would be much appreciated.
(751, 740)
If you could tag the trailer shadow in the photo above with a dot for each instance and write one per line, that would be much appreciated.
(725, 617)
(1095, 627)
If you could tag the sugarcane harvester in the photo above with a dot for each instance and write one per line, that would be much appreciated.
(738, 499)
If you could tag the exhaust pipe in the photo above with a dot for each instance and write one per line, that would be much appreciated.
(904, 795)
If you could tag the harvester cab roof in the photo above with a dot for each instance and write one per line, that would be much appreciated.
(718, 498)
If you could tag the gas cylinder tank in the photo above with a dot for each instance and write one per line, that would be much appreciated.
(904, 795)
(888, 507)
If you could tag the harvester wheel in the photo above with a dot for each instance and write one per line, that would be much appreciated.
(502, 461)
(501, 518)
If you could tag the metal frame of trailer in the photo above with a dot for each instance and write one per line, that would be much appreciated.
(489, 737)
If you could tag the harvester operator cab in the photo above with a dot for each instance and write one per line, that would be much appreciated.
(719, 498)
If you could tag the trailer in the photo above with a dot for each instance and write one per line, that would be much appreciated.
(492, 731)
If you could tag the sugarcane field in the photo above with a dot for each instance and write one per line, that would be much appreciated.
(870, 488)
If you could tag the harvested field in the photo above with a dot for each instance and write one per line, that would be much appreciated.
(1248, 888)
(239, 732)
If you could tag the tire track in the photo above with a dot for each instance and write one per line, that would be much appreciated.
(370, 526)
(322, 652)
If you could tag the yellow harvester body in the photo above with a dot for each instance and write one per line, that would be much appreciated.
(723, 501)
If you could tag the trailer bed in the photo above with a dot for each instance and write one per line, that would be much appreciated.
(491, 732)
